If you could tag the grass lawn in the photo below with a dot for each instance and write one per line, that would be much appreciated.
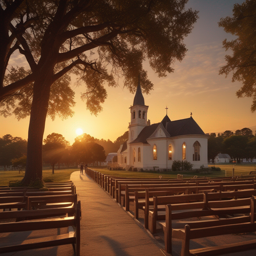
(60, 175)
(226, 170)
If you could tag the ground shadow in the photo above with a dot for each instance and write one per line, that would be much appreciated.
(115, 246)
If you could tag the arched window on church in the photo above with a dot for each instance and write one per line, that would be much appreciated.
(125, 160)
(133, 114)
(154, 152)
(196, 155)
(143, 114)
(139, 113)
(134, 155)
(139, 155)
(170, 152)
(184, 151)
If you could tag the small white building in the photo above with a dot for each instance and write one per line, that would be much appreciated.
(222, 158)
(151, 146)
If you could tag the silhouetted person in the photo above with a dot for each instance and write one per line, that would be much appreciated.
(81, 168)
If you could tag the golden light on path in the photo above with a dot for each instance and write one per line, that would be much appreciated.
(79, 131)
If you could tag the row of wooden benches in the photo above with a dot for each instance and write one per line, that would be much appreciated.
(160, 204)
(44, 211)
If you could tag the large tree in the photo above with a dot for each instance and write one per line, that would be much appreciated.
(99, 41)
(54, 148)
(236, 146)
(10, 148)
(242, 64)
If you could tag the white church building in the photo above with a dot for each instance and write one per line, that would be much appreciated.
(156, 146)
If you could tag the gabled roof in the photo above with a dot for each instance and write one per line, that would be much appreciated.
(110, 157)
(138, 99)
(165, 120)
(159, 127)
(223, 156)
(124, 146)
(145, 133)
(174, 128)
(183, 127)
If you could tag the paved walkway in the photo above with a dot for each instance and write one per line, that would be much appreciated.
(106, 229)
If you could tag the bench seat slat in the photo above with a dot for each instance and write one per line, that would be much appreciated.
(41, 243)
(223, 249)
(37, 225)
(222, 230)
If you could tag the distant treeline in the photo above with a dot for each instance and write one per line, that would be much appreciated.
(56, 150)
(239, 144)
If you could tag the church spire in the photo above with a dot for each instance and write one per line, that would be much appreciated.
(138, 99)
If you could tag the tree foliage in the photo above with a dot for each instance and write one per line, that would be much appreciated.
(235, 146)
(98, 41)
(88, 152)
(10, 148)
(242, 64)
(53, 149)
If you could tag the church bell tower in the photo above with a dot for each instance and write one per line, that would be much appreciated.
(138, 115)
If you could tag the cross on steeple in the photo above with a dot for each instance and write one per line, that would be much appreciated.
(166, 110)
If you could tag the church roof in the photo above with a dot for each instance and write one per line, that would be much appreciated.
(174, 128)
(124, 147)
(183, 127)
(165, 120)
(145, 133)
(138, 99)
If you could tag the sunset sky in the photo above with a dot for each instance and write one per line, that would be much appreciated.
(195, 86)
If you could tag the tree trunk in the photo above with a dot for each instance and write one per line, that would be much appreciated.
(41, 93)
(52, 168)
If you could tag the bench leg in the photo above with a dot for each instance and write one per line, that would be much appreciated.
(168, 230)
(185, 242)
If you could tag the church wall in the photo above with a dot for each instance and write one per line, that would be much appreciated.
(162, 144)
(136, 163)
(161, 161)
(190, 150)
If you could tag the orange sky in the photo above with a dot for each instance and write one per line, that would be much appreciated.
(195, 87)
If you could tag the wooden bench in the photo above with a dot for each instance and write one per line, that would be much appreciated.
(215, 208)
(189, 233)
(125, 186)
(72, 237)
(51, 201)
(157, 210)
(18, 200)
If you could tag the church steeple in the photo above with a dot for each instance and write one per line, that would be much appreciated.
(138, 99)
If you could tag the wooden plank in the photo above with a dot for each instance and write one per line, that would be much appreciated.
(37, 225)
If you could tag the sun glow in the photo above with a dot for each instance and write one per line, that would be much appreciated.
(79, 131)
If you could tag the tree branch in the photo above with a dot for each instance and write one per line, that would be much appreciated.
(100, 41)
(69, 34)
(10, 89)
(27, 53)
(11, 9)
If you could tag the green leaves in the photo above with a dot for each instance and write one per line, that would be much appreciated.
(242, 64)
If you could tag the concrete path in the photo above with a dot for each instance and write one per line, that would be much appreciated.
(106, 229)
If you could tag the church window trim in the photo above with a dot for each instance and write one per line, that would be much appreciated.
(196, 155)
(143, 115)
(139, 113)
(170, 151)
(133, 114)
(184, 148)
(139, 155)
(134, 155)
(154, 152)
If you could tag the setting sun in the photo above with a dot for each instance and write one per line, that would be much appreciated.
(79, 131)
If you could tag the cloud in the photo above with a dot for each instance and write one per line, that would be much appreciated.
(197, 74)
